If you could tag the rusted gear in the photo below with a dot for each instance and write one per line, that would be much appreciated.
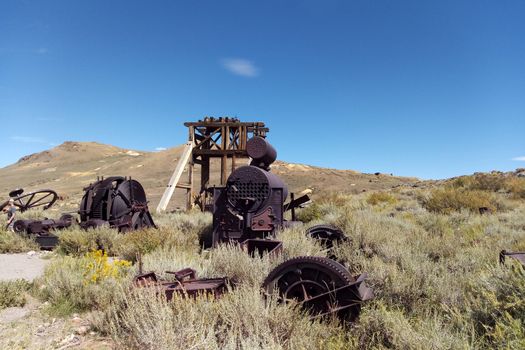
(321, 285)
(40, 198)
(327, 235)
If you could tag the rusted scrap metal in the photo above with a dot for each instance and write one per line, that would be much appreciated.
(520, 256)
(115, 201)
(186, 283)
(35, 199)
(42, 230)
(328, 235)
(320, 285)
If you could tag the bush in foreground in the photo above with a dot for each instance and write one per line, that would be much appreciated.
(76, 284)
(12, 293)
(11, 242)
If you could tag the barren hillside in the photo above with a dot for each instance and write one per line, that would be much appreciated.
(71, 166)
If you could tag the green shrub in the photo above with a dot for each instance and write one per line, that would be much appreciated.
(241, 319)
(12, 293)
(309, 213)
(380, 197)
(497, 306)
(516, 186)
(87, 283)
(448, 200)
(11, 242)
(78, 242)
(493, 182)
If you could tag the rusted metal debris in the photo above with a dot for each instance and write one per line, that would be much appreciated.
(520, 256)
(321, 285)
(186, 283)
(115, 201)
(40, 198)
(42, 230)
(328, 235)
(249, 210)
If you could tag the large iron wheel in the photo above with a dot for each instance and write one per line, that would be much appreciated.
(317, 283)
(41, 198)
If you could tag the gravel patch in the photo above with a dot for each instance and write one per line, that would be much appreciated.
(26, 266)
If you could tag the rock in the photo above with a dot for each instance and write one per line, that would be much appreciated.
(71, 339)
(31, 253)
(76, 320)
(40, 330)
(82, 330)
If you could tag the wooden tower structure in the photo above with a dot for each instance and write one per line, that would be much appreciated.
(224, 138)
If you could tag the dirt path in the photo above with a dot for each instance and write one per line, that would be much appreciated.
(27, 266)
(30, 327)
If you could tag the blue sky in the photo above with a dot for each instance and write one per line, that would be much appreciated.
(420, 88)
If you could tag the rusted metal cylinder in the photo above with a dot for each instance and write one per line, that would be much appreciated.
(261, 151)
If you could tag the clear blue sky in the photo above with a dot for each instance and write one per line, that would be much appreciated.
(425, 88)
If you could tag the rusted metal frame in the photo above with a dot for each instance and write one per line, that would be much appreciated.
(260, 246)
(39, 200)
(357, 288)
(520, 256)
(27, 201)
(296, 202)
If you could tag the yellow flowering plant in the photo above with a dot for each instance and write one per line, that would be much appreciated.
(98, 267)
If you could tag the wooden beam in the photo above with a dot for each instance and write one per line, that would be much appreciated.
(168, 192)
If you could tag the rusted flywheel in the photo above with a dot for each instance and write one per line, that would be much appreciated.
(41, 198)
(321, 285)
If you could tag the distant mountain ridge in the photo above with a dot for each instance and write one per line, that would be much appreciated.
(71, 166)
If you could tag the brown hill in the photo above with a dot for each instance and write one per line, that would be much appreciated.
(70, 167)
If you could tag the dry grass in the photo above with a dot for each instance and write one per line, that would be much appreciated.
(12, 293)
(448, 200)
(435, 273)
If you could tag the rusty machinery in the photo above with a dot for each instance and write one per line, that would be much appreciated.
(41, 198)
(42, 230)
(251, 204)
(248, 210)
(186, 283)
(117, 202)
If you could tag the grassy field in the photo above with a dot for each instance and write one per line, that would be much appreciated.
(432, 261)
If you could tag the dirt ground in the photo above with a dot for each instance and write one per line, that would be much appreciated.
(26, 266)
(31, 327)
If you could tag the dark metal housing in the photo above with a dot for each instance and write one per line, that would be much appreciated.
(115, 201)
(251, 205)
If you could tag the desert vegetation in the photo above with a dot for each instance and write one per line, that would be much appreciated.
(431, 257)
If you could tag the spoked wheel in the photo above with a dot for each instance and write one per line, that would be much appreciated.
(327, 235)
(321, 285)
(42, 198)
